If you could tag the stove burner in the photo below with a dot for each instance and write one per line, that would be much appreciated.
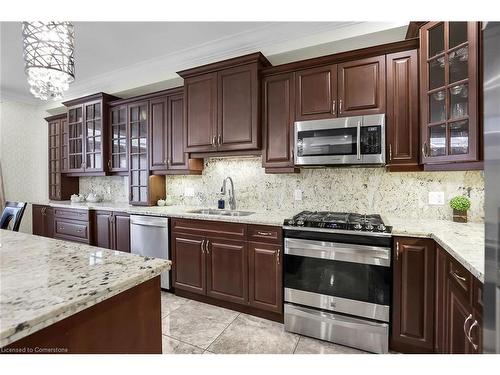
(338, 220)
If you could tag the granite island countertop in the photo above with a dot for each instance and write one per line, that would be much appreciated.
(463, 241)
(43, 280)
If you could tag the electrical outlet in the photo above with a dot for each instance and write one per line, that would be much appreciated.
(189, 192)
(298, 194)
(436, 198)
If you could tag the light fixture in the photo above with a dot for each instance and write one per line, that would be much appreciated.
(48, 57)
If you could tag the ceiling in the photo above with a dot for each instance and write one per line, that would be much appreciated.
(116, 57)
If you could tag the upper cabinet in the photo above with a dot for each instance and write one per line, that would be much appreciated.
(316, 90)
(449, 92)
(87, 135)
(118, 160)
(361, 87)
(60, 186)
(222, 108)
(403, 129)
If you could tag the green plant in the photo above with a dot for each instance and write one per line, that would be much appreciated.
(460, 203)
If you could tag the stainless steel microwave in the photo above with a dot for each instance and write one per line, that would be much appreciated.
(346, 140)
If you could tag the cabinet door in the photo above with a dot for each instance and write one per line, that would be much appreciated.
(121, 231)
(441, 298)
(94, 135)
(362, 87)
(238, 108)
(459, 319)
(38, 219)
(118, 161)
(227, 270)
(413, 295)
(402, 109)
(449, 92)
(177, 158)
(316, 93)
(278, 121)
(200, 112)
(54, 140)
(103, 231)
(64, 145)
(138, 151)
(265, 276)
(188, 258)
(158, 134)
(75, 139)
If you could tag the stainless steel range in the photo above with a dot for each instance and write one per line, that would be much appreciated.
(338, 278)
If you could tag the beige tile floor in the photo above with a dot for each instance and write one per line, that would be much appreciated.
(191, 327)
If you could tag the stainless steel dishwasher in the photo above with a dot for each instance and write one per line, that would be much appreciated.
(149, 237)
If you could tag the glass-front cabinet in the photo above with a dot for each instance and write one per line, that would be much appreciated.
(118, 160)
(138, 142)
(75, 139)
(449, 92)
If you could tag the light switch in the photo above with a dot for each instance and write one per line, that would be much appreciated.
(189, 192)
(298, 194)
(436, 198)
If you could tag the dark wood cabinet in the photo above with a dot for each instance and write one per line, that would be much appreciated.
(118, 156)
(459, 317)
(265, 276)
(222, 106)
(43, 220)
(403, 130)
(60, 186)
(234, 265)
(72, 225)
(227, 269)
(200, 113)
(449, 76)
(158, 134)
(111, 230)
(189, 265)
(278, 123)
(361, 87)
(413, 295)
(88, 139)
(316, 93)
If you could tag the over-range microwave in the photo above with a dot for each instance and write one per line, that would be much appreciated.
(358, 140)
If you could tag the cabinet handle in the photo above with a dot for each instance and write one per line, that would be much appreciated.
(424, 150)
(79, 230)
(202, 245)
(213, 141)
(469, 336)
(109, 164)
(207, 247)
(340, 106)
(390, 151)
(397, 250)
(457, 276)
(465, 324)
(219, 139)
(44, 209)
(264, 233)
(333, 106)
(164, 161)
(169, 161)
(278, 256)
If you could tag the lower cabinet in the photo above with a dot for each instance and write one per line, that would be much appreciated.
(112, 230)
(72, 225)
(216, 260)
(413, 295)
(437, 303)
(43, 220)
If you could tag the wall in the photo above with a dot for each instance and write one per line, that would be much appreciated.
(23, 154)
(363, 190)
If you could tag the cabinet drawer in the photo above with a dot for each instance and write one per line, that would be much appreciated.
(71, 230)
(460, 277)
(217, 229)
(72, 214)
(265, 233)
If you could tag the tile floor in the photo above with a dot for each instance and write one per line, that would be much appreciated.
(191, 327)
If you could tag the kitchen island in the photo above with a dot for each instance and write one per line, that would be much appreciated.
(63, 297)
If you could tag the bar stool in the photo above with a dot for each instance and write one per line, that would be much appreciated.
(13, 211)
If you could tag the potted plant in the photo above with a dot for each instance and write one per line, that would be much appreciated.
(460, 205)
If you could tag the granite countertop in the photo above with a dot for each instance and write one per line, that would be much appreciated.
(43, 280)
(463, 241)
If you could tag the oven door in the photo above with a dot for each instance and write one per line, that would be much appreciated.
(345, 278)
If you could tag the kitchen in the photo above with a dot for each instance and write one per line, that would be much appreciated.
(260, 203)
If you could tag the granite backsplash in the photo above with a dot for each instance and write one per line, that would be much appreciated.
(364, 190)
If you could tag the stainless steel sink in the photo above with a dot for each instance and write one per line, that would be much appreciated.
(213, 211)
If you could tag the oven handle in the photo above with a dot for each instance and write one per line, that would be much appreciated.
(358, 141)
(374, 255)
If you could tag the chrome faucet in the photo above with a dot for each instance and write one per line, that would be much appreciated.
(232, 200)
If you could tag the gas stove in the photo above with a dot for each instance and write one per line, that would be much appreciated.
(338, 221)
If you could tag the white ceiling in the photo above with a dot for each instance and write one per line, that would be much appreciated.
(116, 57)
